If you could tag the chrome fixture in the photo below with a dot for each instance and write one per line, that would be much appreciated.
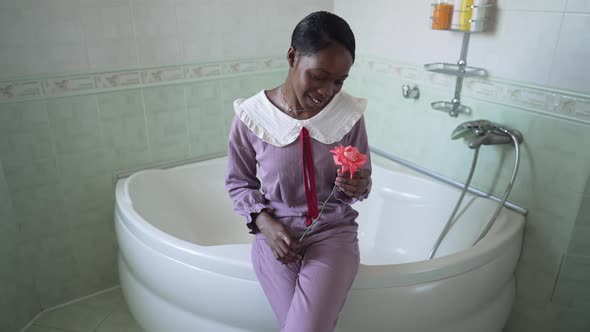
(410, 92)
(461, 71)
(486, 133)
(482, 132)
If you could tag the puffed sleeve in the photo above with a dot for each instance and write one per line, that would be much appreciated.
(241, 182)
(357, 137)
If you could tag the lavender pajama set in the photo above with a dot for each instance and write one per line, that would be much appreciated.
(265, 171)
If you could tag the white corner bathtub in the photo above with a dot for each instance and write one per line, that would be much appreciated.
(184, 256)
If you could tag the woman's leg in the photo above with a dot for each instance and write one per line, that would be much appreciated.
(277, 280)
(326, 274)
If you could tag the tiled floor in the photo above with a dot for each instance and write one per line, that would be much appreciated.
(105, 312)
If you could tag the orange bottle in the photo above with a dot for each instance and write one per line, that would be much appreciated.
(442, 16)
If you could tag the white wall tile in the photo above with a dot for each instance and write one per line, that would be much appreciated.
(156, 32)
(199, 28)
(107, 21)
(570, 65)
(579, 6)
(521, 48)
(109, 33)
(230, 29)
(159, 51)
(5, 4)
(525, 45)
(115, 53)
(154, 18)
(16, 30)
(65, 57)
(532, 5)
(56, 23)
(399, 30)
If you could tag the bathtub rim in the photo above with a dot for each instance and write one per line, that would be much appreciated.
(233, 260)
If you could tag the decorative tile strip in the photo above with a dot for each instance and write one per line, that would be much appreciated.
(94, 83)
(160, 75)
(527, 98)
(272, 63)
(240, 67)
(578, 107)
(440, 79)
(379, 66)
(407, 72)
(115, 80)
(483, 88)
(200, 71)
(20, 89)
(63, 86)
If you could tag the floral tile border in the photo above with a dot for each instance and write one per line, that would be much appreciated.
(97, 82)
(537, 99)
(569, 105)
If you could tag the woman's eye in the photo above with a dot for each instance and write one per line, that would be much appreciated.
(339, 82)
(316, 78)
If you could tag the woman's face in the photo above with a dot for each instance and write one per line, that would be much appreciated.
(318, 77)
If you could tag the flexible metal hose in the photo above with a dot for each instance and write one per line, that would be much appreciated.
(450, 221)
(508, 189)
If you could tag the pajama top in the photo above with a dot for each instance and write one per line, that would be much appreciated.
(265, 162)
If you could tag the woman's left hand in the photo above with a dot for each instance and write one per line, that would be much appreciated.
(355, 187)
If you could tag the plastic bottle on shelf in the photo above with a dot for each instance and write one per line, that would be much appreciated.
(442, 15)
(465, 12)
(479, 16)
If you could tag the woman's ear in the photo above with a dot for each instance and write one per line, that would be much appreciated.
(291, 56)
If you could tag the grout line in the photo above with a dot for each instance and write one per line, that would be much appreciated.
(85, 36)
(556, 278)
(82, 298)
(32, 322)
(29, 324)
(555, 48)
(187, 121)
(54, 328)
(132, 18)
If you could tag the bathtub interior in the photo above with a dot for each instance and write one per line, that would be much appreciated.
(190, 203)
(408, 210)
(399, 223)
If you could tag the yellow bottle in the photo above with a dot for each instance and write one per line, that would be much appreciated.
(465, 15)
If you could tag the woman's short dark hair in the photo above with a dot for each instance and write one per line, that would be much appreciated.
(321, 30)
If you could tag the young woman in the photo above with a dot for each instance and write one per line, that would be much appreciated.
(283, 137)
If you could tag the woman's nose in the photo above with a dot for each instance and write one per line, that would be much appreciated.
(326, 90)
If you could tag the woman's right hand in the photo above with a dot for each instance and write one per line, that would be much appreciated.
(283, 246)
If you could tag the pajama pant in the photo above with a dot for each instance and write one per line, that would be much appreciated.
(307, 296)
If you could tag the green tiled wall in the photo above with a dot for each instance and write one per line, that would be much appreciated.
(553, 183)
(59, 157)
(18, 299)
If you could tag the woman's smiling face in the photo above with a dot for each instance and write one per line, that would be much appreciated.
(318, 77)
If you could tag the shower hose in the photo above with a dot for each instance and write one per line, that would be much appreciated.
(490, 223)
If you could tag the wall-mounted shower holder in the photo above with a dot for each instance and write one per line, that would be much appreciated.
(461, 70)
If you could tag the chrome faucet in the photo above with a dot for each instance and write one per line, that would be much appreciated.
(482, 132)
(485, 132)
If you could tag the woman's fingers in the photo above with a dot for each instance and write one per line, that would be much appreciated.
(356, 186)
(285, 248)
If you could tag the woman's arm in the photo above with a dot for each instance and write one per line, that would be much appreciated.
(241, 182)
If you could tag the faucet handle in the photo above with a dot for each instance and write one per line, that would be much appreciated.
(477, 127)
(460, 131)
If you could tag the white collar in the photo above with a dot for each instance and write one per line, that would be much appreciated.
(271, 125)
